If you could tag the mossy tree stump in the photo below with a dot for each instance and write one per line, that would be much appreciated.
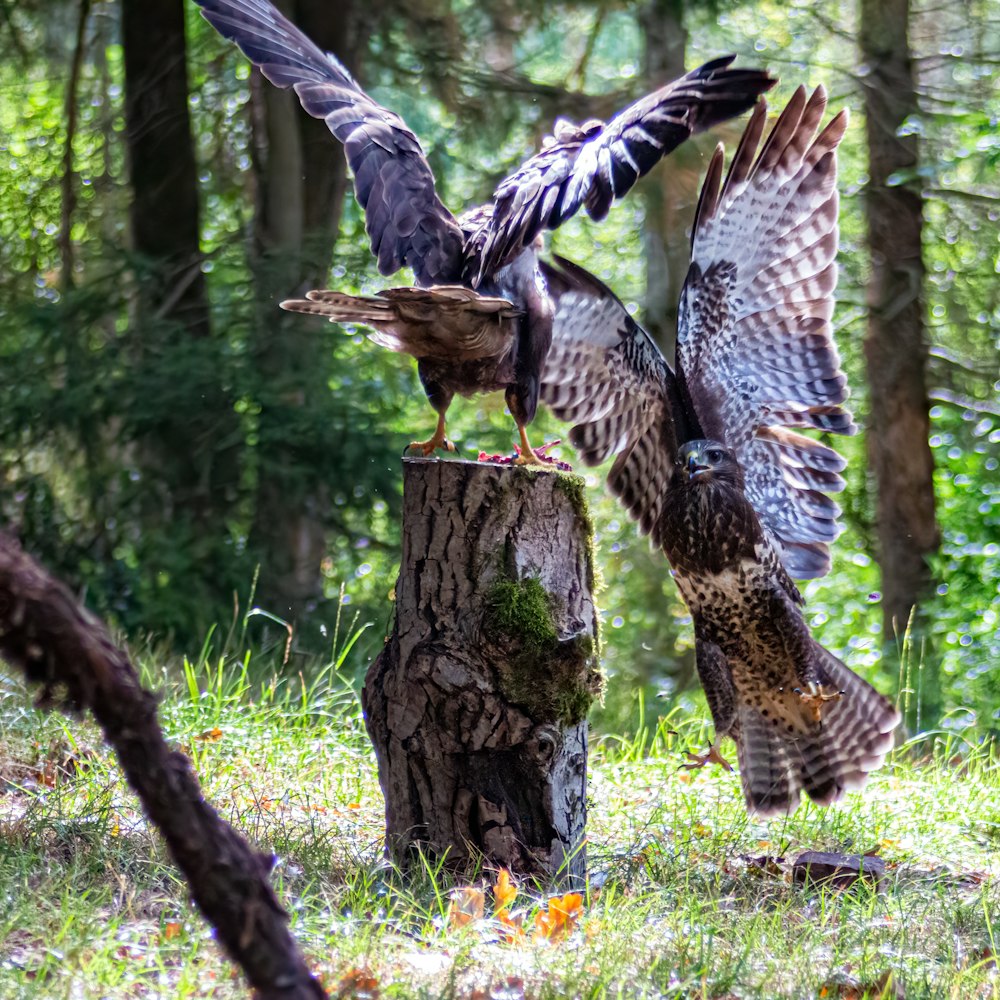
(477, 704)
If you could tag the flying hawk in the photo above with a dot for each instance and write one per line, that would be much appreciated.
(707, 462)
(491, 326)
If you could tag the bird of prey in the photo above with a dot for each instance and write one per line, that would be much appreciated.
(707, 462)
(498, 337)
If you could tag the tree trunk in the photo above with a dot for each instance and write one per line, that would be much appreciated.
(671, 193)
(324, 165)
(190, 450)
(477, 705)
(301, 181)
(164, 218)
(895, 345)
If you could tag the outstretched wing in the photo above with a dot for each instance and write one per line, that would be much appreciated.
(596, 163)
(605, 375)
(755, 346)
(406, 221)
(756, 356)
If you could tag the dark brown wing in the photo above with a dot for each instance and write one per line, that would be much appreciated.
(594, 164)
(406, 221)
(446, 322)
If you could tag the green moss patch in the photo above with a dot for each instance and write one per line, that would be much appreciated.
(555, 679)
(521, 608)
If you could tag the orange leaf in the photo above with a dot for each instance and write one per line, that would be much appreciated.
(560, 916)
(545, 925)
(504, 891)
(210, 735)
(467, 904)
(567, 908)
(358, 984)
(511, 928)
(171, 929)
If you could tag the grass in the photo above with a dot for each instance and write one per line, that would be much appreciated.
(685, 898)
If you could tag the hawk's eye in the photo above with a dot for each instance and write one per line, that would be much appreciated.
(714, 455)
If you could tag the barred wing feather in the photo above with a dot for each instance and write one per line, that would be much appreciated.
(591, 165)
(754, 336)
(756, 356)
(606, 376)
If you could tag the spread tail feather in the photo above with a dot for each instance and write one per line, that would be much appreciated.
(447, 322)
(834, 755)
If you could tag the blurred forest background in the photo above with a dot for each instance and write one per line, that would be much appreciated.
(165, 430)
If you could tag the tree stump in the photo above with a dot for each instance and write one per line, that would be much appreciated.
(477, 704)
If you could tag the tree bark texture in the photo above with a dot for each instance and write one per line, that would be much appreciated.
(477, 704)
(164, 216)
(301, 177)
(895, 345)
(671, 193)
(58, 644)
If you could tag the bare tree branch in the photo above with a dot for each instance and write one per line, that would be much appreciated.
(15, 36)
(966, 402)
(579, 72)
(60, 645)
(977, 197)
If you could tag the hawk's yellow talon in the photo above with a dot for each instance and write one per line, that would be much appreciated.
(527, 456)
(436, 440)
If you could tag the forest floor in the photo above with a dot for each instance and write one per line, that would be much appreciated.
(688, 897)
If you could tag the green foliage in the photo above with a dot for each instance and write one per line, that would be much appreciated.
(86, 389)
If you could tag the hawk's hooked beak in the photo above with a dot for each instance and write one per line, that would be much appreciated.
(694, 469)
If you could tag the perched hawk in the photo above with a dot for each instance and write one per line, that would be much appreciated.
(491, 328)
(707, 464)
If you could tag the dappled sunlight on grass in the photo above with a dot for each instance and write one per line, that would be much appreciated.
(688, 896)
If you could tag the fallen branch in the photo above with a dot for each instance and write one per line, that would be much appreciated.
(60, 645)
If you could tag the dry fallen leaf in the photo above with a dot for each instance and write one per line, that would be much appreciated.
(171, 929)
(559, 918)
(467, 904)
(511, 988)
(357, 984)
(504, 891)
(210, 735)
(843, 986)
